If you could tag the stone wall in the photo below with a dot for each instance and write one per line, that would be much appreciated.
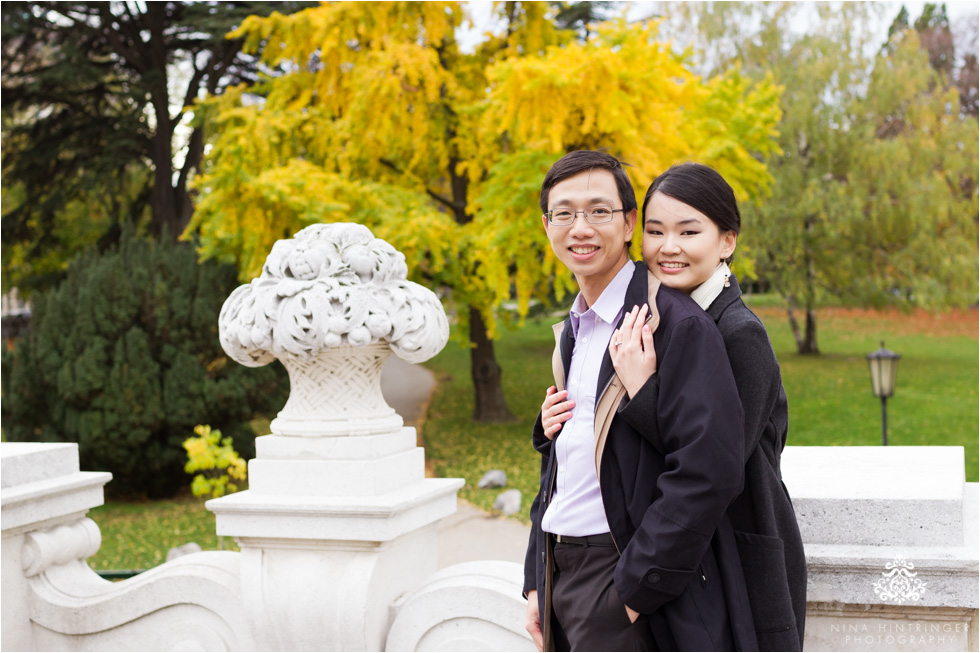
(891, 539)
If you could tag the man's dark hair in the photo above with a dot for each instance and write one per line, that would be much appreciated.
(581, 160)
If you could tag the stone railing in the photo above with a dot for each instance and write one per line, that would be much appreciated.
(338, 528)
(891, 543)
(52, 600)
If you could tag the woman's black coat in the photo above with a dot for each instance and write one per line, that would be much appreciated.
(766, 531)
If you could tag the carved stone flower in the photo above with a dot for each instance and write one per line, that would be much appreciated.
(331, 285)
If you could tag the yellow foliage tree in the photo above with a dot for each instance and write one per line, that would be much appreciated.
(375, 115)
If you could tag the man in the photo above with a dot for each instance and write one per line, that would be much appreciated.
(630, 548)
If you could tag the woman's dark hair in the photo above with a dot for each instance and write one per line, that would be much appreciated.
(581, 160)
(702, 188)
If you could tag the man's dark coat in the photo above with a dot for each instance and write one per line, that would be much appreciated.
(766, 531)
(667, 474)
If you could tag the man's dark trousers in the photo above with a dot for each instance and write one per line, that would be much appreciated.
(588, 613)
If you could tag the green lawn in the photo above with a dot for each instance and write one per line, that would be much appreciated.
(830, 404)
(137, 535)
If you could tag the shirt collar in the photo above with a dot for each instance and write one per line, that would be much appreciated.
(610, 302)
(708, 291)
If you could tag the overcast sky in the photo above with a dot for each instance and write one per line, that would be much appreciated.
(958, 12)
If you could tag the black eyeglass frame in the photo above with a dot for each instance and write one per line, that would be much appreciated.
(588, 217)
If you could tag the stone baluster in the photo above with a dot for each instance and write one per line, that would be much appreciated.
(339, 520)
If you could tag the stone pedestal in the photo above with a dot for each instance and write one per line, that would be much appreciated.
(339, 519)
(892, 542)
(333, 530)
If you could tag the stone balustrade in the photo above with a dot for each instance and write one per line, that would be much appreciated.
(891, 542)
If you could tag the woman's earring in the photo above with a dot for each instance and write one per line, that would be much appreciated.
(727, 284)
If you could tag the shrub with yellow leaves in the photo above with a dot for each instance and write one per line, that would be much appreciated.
(216, 460)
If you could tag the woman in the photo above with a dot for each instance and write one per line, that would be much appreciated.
(690, 229)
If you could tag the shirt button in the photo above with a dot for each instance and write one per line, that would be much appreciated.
(654, 578)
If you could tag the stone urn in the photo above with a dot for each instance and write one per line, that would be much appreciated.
(339, 519)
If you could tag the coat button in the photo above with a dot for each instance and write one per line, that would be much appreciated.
(654, 577)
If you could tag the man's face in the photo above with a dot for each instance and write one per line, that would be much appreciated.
(593, 252)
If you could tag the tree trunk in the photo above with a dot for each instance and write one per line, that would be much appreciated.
(809, 345)
(185, 204)
(164, 205)
(489, 402)
(794, 326)
(806, 342)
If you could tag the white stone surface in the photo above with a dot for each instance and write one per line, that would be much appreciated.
(52, 600)
(909, 496)
(831, 627)
(474, 606)
(337, 393)
(338, 478)
(332, 303)
(867, 513)
(44, 487)
(847, 573)
(28, 462)
(331, 285)
(250, 515)
(339, 519)
(76, 610)
(275, 447)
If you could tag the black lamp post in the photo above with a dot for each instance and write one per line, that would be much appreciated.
(884, 366)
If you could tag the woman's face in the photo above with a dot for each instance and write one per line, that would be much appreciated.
(681, 245)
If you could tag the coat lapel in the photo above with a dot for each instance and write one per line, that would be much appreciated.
(636, 295)
(724, 300)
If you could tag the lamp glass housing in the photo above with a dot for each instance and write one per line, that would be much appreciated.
(883, 365)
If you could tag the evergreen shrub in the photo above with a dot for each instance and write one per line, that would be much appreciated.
(123, 358)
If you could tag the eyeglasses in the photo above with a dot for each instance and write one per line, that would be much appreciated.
(594, 215)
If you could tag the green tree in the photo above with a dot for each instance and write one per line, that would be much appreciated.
(123, 358)
(874, 187)
(93, 95)
(936, 37)
(382, 119)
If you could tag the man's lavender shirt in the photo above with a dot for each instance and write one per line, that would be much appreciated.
(576, 508)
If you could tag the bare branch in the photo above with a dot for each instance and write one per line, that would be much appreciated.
(428, 191)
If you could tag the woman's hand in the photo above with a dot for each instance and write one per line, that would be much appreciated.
(555, 411)
(632, 352)
(632, 614)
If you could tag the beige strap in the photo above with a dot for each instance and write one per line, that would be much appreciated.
(608, 404)
(557, 369)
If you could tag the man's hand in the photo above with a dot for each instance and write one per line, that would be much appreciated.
(634, 358)
(533, 622)
(632, 614)
(555, 411)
